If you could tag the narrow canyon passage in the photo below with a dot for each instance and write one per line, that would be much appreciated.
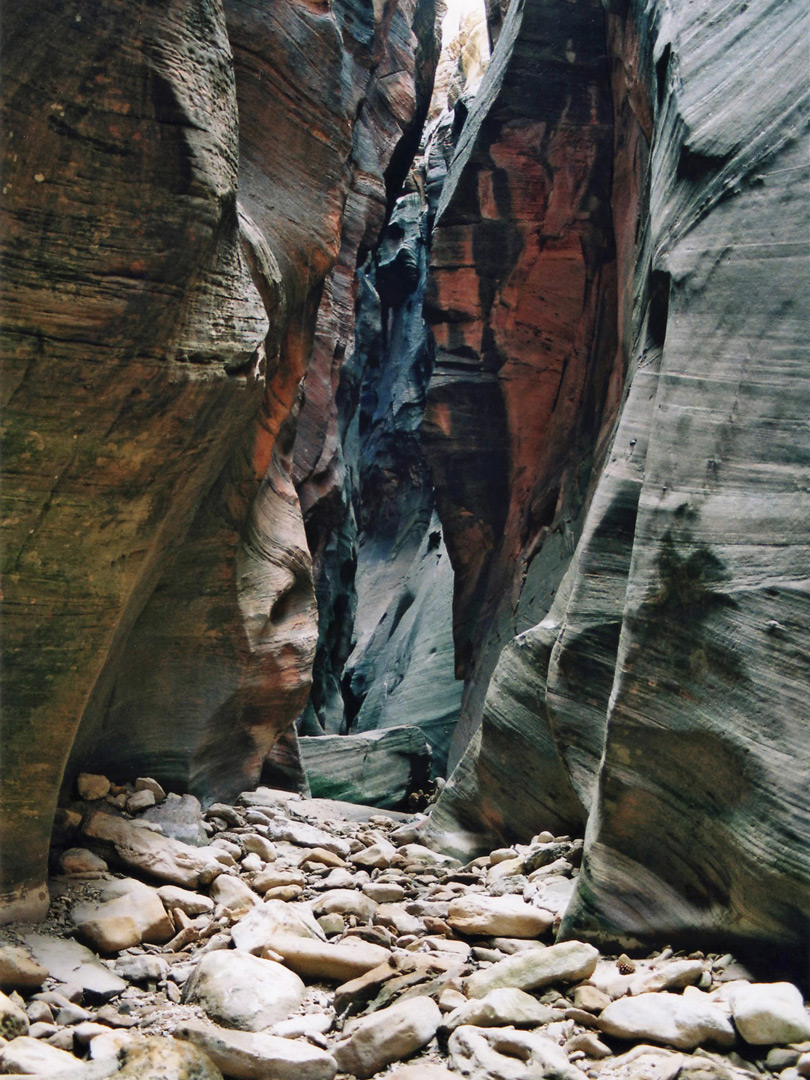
(405, 624)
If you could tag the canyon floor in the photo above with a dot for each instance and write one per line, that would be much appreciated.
(285, 938)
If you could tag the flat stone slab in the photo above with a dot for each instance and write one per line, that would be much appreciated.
(70, 962)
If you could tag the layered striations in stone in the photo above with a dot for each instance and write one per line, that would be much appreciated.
(521, 301)
(384, 586)
(119, 184)
(663, 687)
(158, 583)
(700, 820)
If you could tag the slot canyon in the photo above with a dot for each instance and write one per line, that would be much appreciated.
(405, 620)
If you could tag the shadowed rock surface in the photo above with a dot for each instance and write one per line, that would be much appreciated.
(660, 695)
(159, 587)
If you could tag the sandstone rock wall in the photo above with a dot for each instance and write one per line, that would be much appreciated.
(660, 696)
(159, 594)
(522, 306)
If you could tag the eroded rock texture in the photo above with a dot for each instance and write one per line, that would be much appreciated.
(521, 302)
(158, 584)
(660, 697)
(384, 580)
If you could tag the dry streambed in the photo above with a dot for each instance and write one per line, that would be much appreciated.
(292, 939)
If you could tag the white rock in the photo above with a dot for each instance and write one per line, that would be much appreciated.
(499, 1008)
(768, 1014)
(418, 853)
(244, 991)
(159, 856)
(376, 857)
(254, 931)
(26, 1055)
(387, 1035)
(420, 1070)
(255, 844)
(140, 800)
(13, 1021)
(570, 961)
(648, 1063)
(141, 969)
(246, 1055)
(344, 902)
(492, 916)
(333, 962)
(304, 835)
(70, 962)
(384, 892)
(396, 918)
(669, 976)
(272, 878)
(308, 1024)
(506, 1054)
(232, 893)
(108, 1046)
(677, 1020)
(156, 1058)
(134, 915)
(146, 783)
(190, 903)
(251, 863)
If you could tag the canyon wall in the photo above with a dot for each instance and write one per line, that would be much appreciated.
(159, 605)
(660, 698)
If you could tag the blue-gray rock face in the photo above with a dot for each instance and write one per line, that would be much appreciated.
(662, 696)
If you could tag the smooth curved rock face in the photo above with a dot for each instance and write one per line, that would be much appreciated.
(376, 768)
(111, 215)
(664, 685)
(521, 305)
(700, 820)
(158, 583)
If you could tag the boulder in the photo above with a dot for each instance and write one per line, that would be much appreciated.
(243, 991)
(233, 893)
(494, 916)
(768, 1014)
(244, 1055)
(26, 1055)
(372, 1042)
(134, 913)
(531, 969)
(190, 903)
(157, 856)
(483, 1053)
(376, 767)
(13, 1021)
(274, 918)
(70, 962)
(19, 970)
(179, 816)
(80, 862)
(158, 1058)
(500, 1008)
(683, 1021)
(322, 960)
